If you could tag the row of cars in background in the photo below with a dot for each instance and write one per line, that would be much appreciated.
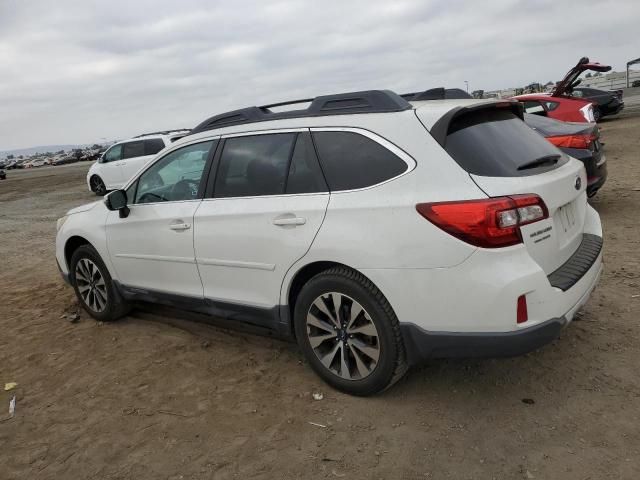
(569, 102)
(40, 160)
(567, 118)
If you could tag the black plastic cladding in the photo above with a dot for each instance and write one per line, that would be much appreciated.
(369, 101)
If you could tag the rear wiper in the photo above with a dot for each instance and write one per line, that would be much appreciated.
(539, 162)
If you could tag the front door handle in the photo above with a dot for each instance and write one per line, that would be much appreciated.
(289, 221)
(180, 226)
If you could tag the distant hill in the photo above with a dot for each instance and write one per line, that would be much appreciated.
(41, 149)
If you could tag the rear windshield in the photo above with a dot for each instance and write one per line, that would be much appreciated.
(497, 143)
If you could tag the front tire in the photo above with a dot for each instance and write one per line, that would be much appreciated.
(94, 287)
(349, 333)
(97, 186)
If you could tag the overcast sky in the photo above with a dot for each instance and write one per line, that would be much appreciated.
(82, 71)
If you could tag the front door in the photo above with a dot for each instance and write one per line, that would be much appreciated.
(110, 168)
(269, 202)
(152, 248)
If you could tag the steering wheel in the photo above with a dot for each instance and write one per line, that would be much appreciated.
(185, 189)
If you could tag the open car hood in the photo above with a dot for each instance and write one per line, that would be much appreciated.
(568, 82)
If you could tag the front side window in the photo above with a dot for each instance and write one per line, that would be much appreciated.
(132, 149)
(350, 160)
(175, 177)
(113, 154)
(254, 165)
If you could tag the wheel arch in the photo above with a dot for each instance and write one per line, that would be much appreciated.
(71, 245)
(301, 277)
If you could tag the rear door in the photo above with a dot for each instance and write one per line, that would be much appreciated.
(266, 205)
(505, 157)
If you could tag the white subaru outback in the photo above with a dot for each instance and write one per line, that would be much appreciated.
(123, 159)
(377, 232)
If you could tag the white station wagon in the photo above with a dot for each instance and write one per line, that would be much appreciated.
(376, 230)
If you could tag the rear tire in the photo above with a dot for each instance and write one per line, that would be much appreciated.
(94, 287)
(358, 349)
(97, 186)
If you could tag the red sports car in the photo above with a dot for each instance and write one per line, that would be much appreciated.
(559, 104)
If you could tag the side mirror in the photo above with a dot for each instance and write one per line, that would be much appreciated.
(117, 200)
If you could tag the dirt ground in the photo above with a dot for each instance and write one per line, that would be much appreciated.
(156, 396)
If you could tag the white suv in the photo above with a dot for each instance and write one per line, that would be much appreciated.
(374, 231)
(123, 159)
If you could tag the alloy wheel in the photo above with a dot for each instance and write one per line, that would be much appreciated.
(91, 285)
(343, 336)
(98, 186)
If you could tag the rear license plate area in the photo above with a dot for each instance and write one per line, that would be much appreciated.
(567, 216)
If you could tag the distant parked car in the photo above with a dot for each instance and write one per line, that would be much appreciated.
(3, 174)
(559, 104)
(123, 159)
(578, 140)
(65, 160)
(604, 102)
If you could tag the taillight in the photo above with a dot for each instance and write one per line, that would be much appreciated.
(489, 222)
(573, 141)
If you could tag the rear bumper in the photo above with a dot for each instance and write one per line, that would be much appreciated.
(596, 182)
(421, 345)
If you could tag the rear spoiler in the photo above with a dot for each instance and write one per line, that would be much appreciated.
(440, 129)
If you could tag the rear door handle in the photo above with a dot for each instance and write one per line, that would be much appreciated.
(289, 221)
(180, 226)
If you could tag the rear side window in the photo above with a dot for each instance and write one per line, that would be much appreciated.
(305, 175)
(551, 106)
(350, 160)
(254, 165)
(534, 107)
(497, 143)
(132, 149)
(153, 146)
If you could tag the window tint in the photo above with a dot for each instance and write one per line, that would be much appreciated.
(254, 165)
(551, 106)
(305, 175)
(534, 107)
(175, 176)
(350, 160)
(153, 146)
(496, 143)
(113, 154)
(132, 149)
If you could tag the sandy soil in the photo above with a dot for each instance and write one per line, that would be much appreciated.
(159, 396)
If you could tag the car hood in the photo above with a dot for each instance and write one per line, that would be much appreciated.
(565, 85)
(83, 208)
